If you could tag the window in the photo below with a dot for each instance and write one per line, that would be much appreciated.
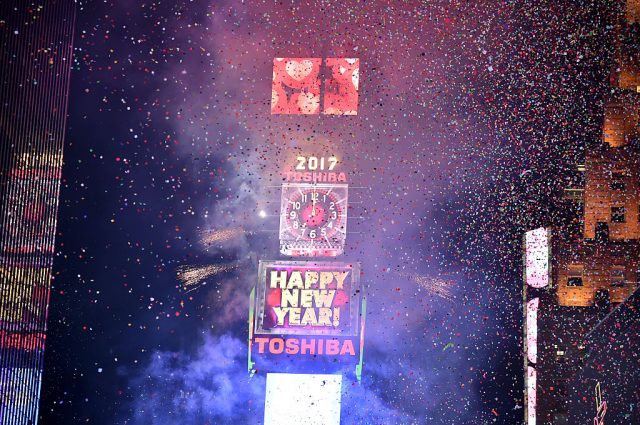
(617, 180)
(560, 353)
(617, 276)
(574, 274)
(617, 214)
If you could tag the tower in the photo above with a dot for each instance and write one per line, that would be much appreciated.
(307, 312)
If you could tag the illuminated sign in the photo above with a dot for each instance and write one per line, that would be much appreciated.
(308, 298)
(314, 208)
(19, 388)
(341, 88)
(531, 353)
(532, 330)
(312, 169)
(531, 396)
(296, 86)
(308, 399)
(537, 275)
(537, 258)
(308, 309)
(25, 272)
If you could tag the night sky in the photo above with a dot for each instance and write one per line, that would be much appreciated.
(472, 116)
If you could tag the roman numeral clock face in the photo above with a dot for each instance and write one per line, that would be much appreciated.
(313, 219)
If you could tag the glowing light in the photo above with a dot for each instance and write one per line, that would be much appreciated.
(295, 87)
(341, 87)
(302, 399)
(300, 77)
(262, 213)
(531, 396)
(537, 258)
(532, 330)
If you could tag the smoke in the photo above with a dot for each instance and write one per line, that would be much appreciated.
(208, 387)
(212, 386)
(222, 112)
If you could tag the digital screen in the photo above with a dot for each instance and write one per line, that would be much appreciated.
(308, 298)
(302, 399)
(532, 330)
(308, 315)
(29, 210)
(537, 257)
(341, 88)
(19, 391)
(296, 86)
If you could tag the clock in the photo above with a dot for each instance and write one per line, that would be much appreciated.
(313, 219)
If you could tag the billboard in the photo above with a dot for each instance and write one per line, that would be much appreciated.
(537, 258)
(537, 277)
(307, 314)
(296, 86)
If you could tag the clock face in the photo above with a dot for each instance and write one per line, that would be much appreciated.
(315, 213)
(313, 219)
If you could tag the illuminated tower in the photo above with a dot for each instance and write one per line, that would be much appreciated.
(35, 62)
(593, 269)
(307, 316)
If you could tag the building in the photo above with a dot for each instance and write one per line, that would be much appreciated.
(35, 63)
(582, 274)
(605, 386)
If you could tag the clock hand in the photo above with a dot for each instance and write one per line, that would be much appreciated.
(313, 206)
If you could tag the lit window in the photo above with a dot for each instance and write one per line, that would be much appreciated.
(574, 274)
(617, 276)
(617, 214)
(617, 180)
(560, 353)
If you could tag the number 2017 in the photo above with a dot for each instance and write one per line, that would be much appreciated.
(313, 163)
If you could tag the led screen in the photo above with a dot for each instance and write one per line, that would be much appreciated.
(537, 258)
(532, 330)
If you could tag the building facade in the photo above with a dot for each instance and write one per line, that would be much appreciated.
(577, 277)
(35, 63)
